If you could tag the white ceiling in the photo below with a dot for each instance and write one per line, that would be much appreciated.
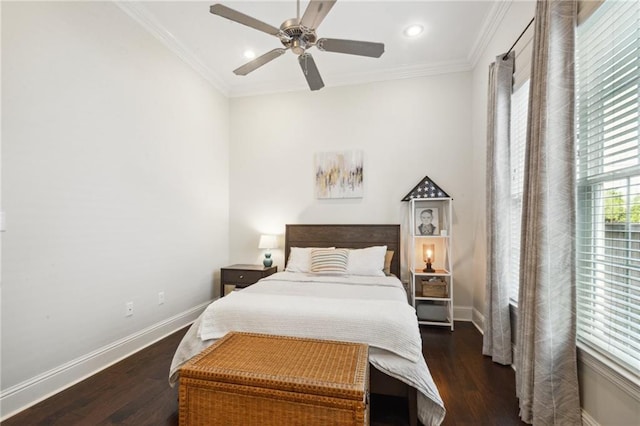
(455, 33)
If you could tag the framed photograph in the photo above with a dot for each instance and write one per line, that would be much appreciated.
(339, 174)
(427, 222)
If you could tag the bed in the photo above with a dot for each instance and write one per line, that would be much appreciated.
(300, 303)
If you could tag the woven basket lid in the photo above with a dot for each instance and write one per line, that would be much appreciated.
(310, 366)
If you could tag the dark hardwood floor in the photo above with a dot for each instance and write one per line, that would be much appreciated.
(136, 392)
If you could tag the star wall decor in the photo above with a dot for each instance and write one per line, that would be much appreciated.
(426, 189)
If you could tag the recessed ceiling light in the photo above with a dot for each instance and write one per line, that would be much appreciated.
(249, 54)
(413, 30)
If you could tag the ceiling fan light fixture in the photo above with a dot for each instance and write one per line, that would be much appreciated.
(249, 54)
(298, 46)
(413, 31)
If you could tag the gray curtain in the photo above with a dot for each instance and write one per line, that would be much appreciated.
(497, 327)
(546, 365)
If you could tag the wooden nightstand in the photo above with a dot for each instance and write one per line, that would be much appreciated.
(241, 276)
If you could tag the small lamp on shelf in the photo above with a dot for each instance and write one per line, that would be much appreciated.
(267, 242)
(428, 251)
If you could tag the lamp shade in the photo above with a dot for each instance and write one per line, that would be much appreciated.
(429, 252)
(268, 242)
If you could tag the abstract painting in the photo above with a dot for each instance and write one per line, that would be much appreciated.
(339, 174)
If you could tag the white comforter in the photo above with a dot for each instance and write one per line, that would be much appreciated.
(304, 305)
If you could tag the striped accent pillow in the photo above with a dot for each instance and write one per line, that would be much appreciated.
(329, 261)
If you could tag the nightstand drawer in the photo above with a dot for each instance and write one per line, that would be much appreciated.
(241, 277)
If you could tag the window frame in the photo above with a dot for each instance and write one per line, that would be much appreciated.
(593, 175)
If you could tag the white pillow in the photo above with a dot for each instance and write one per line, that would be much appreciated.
(367, 261)
(299, 259)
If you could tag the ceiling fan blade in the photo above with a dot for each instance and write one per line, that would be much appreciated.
(241, 18)
(351, 47)
(259, 61)
(310, 71)
(316, 12)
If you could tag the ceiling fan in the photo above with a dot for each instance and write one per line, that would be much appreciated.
(299, 34)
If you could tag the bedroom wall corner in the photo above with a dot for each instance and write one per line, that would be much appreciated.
(115, 181)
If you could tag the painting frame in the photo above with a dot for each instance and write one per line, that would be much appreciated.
(339, 174)
(429, 226)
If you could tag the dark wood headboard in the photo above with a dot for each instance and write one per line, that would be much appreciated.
(345, 236)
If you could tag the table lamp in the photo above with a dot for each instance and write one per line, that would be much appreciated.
(267, 242)
(429, 252)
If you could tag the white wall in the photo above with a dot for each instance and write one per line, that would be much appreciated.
(407, 129)
(607, 398)
(115, 185)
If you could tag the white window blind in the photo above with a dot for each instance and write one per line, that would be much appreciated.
(518, 138)
(608, 178)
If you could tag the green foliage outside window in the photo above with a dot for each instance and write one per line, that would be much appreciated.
(615, 208)
(635, 209)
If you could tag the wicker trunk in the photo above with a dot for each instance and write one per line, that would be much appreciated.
(258, 379)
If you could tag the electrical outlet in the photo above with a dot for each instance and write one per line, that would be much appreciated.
(161, 298)
(129, 309)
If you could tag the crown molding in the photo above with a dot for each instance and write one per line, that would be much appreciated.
(352, 79)
(403, 72)
(489, 28)
(142, 16)
(145, 18)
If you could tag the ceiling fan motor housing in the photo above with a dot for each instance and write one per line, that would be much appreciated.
(299, 38)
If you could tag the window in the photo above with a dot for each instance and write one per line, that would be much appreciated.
(608, 179)
(518, 144)
(518, 138)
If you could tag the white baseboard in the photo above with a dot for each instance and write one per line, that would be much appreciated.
(587, 420)
(462, 313)
(478, 320)
(23, 395)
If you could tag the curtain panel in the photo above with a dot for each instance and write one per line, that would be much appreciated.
(497, 326)
(546, 364)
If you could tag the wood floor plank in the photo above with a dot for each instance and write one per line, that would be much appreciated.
(136, 392)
